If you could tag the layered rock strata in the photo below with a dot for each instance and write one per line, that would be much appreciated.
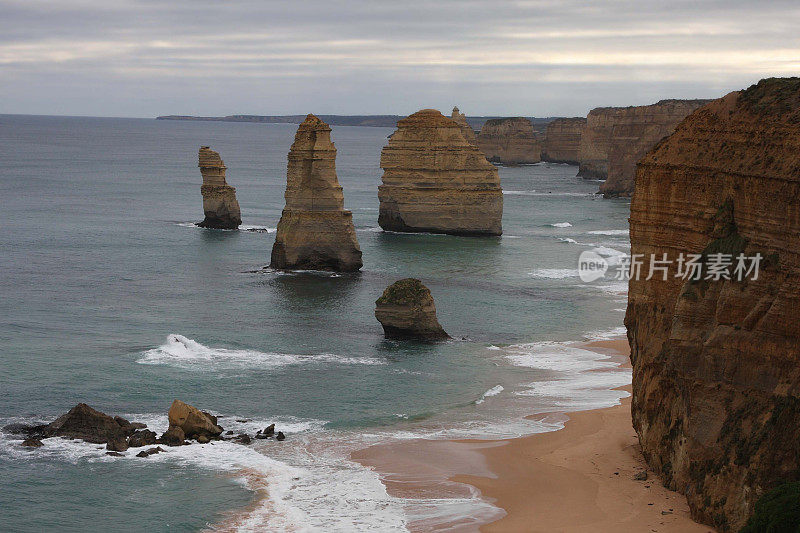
(461, 119)
(635, 131)
(219, 199)
(435, 181)
(716, 362)
(315, 232)
(563, 140)
(406, 311)
(509, 141)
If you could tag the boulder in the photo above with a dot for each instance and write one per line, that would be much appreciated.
(83, 422)
(173, 436)
(406, 311)
(32, 443)
(243, 439)
(280, 436)
(192, 421)
(117, 444)
(142, 437)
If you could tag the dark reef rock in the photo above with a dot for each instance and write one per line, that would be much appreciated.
(83, 422)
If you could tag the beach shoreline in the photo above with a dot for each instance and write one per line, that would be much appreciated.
(577, 479)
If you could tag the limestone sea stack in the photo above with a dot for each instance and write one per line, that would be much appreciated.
(219, 199)
(509, 141)
(636, 131)
(406, 311)
(315, 232)
(435, 181)
(716, 362)
(563, 140)
(461, 119)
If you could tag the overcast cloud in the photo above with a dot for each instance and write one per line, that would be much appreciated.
(526, 57)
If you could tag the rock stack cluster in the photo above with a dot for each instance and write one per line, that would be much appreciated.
(219, 199)
(461, 119)
(509, 141)
(716, 362)
(315, 232)
(406, 311)
(435, 181)
(563, 140)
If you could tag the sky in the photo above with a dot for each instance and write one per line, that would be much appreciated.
(143, 58)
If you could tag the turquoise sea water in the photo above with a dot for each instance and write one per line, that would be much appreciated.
(112, 297)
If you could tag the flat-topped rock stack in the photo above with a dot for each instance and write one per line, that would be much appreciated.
(563, 140)
(219, 199)
(461, 119)
(315, 232)
(596, 142)
(509, 141)
(435, 181)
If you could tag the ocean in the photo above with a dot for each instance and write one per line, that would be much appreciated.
(112, 296)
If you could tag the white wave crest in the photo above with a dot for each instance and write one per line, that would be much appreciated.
(186, 353)
(561, 225)
(554, 273)
(494, 391)
(609, 232)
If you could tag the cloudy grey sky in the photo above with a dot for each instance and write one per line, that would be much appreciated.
(491, 57)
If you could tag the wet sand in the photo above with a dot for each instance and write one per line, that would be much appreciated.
(577, 479)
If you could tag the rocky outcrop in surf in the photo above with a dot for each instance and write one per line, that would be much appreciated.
(435, 181)
(406, 311)
(563, 140)
(219, 199)
(716, 362)
(461, 119)
(509, 141)
(193, 422)
(315, 231)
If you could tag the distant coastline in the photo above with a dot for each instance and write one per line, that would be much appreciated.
(378, 121)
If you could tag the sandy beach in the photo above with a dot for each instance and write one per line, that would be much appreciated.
(578, 479)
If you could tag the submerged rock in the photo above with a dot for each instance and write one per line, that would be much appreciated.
(315, 232)
(32, 443)
(192, 421)
(406, 311)
(435, 181)
(280, 436)
(219, 199)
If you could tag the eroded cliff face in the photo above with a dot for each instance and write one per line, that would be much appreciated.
(461, 119)
(315, 231)
(595, 142)
(635, 131)
(435, 181)
(716, 364)
(563, 140)
(220, 206)
(509, 141)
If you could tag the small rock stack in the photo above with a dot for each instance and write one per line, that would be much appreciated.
(406, 311)
(219, 199)
(315, 231)
(461, 119)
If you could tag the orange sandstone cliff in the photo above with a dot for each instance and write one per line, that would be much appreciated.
(436, 181)
(716, 364)
(636, 130)
(509, 141)
(563, 140)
